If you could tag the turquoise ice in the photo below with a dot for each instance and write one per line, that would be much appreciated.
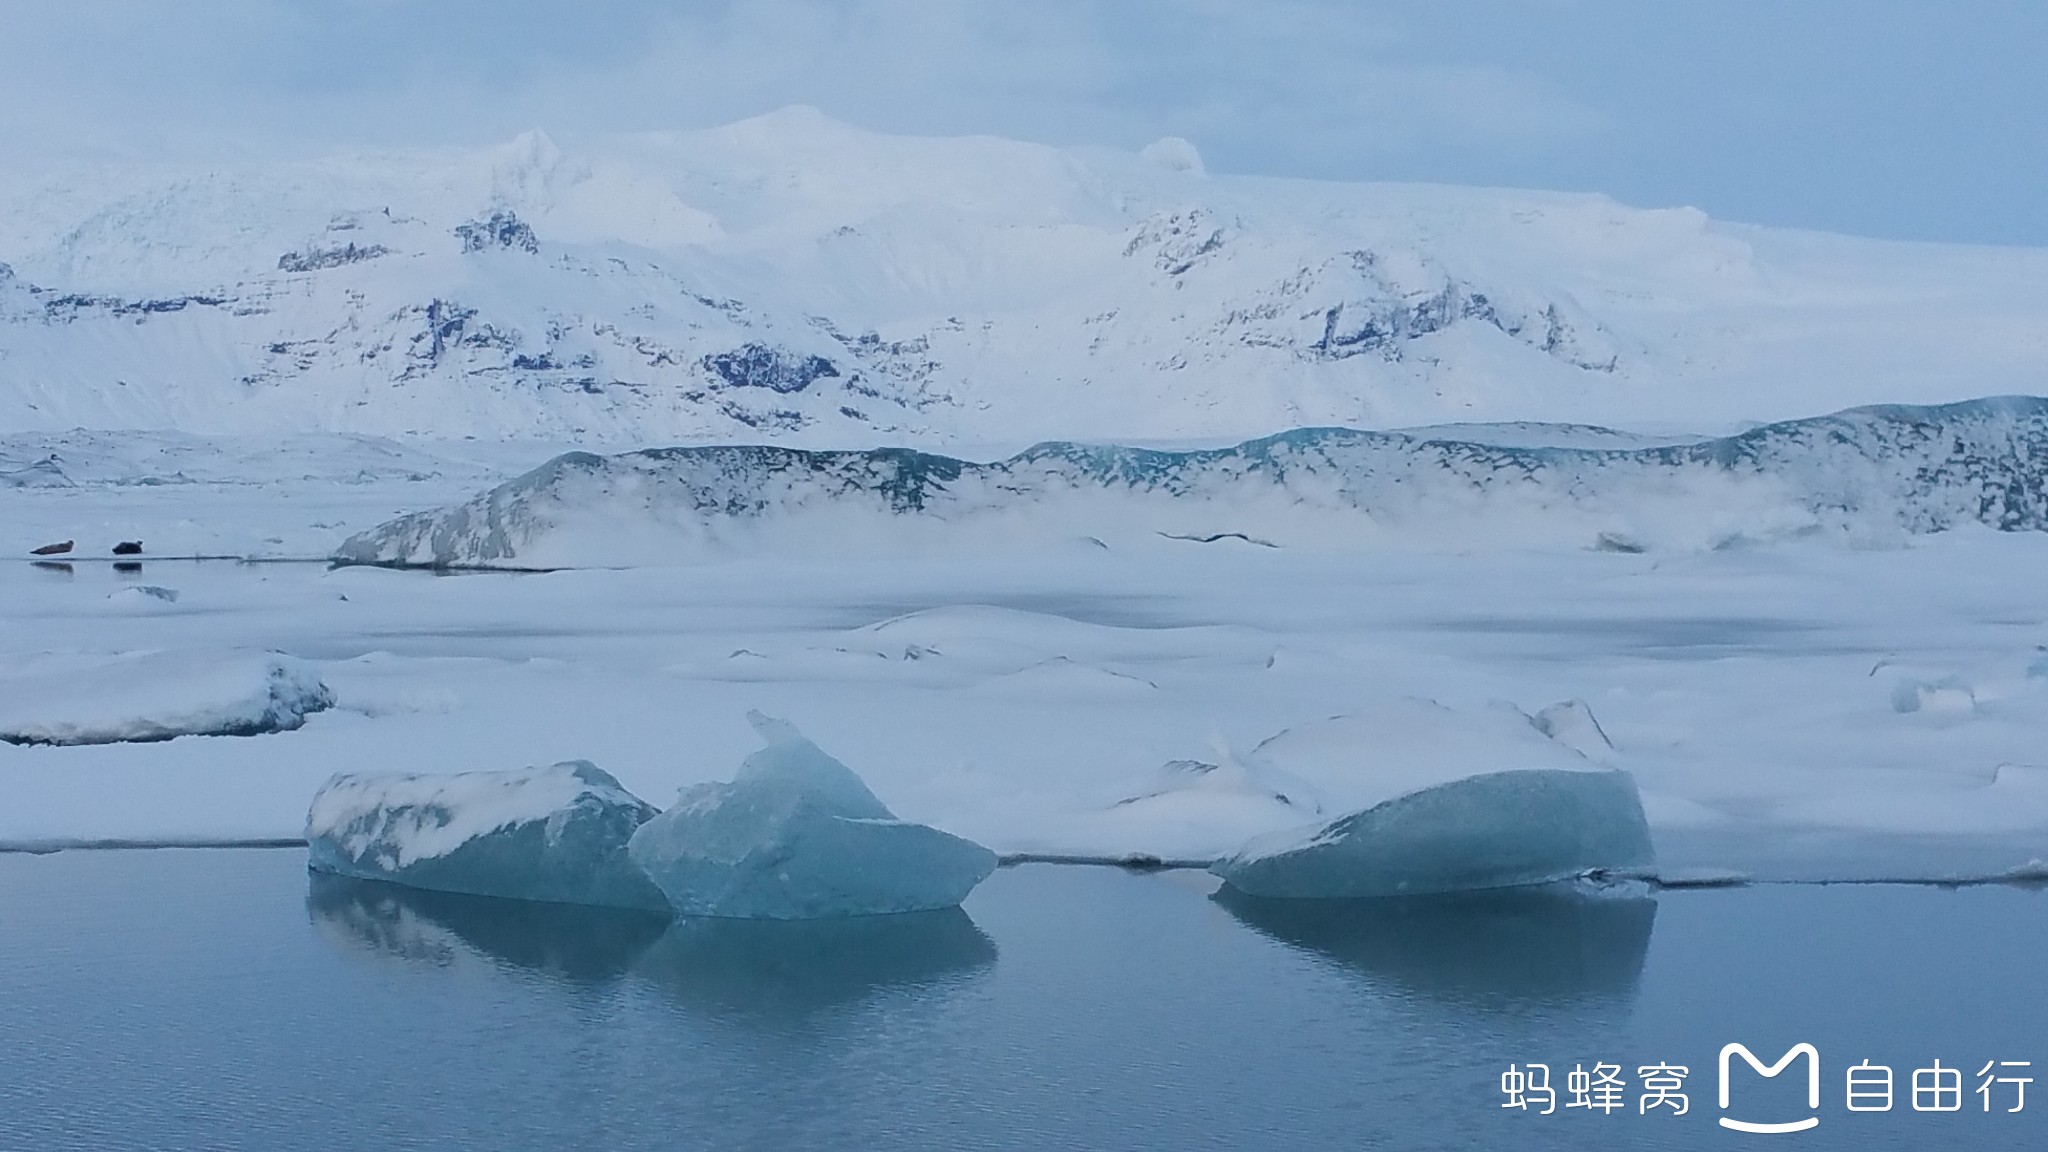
(796, 835)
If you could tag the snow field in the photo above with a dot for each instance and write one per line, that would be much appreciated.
(1108, 705)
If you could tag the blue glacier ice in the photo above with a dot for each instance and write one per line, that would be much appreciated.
(557, 833)
(796, 835)
(1490, 830)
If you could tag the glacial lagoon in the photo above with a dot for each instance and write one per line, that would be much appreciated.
(227, 999)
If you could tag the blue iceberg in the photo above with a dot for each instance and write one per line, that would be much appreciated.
(796, 835)
(1491, 830)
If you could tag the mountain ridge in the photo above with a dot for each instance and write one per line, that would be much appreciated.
(1872, 474)
(802, 280)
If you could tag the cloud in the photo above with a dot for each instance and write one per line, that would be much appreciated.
(1289, 85)
(1879, 116)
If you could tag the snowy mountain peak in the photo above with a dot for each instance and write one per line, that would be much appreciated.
(1175, 155)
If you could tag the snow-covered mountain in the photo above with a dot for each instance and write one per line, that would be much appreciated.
(1866, 475)
(793, 279)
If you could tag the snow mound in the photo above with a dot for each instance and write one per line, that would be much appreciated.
(555, 834)
(1389, 748)
(144, 696)
(1179, 782)
(144, 597)
(1868, 474)
(1495, 830)
(796, 835)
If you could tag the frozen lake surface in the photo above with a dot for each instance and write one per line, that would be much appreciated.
(217, 999)
(1803, 711)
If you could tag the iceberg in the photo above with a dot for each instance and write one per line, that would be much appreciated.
(1493, 830)
(147, 696)
(796, 835)
(554, 834)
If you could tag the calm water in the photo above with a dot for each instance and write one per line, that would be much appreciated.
(194, 999)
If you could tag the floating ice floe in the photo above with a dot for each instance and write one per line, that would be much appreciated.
(796, 835)
(76, 699)
(1442, 801)
(555, 834)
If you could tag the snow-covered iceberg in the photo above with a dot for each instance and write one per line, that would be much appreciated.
(1438, 800)
(144, 696)
(555, 834)
(796, 835)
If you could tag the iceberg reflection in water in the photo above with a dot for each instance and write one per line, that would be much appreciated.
(789, 967)
(757, 967)
(1554, 943)
(577, 941)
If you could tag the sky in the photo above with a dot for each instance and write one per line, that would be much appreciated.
(1910, 120)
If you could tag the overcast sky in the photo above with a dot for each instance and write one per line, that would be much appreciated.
(1915, 120)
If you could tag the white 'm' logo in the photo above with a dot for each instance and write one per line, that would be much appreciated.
(1785, 1061)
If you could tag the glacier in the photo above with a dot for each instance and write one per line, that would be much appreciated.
(796, 835)
(1863, 476)
(73, 698)
(556, 834)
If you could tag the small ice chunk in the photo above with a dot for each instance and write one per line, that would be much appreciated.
(144, 594)
(796, 835)
(144, 696)
(557, 834)
(1492, 830)
(1944, 696)
(1571, 724)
